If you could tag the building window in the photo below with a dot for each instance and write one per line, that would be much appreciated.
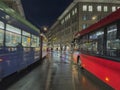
(90, 8)
(84, 17)
(84, 26)
(113, 8)
(99, 8)
(62, 22)
(75, 10)
(69, 15)
(105, 8)
(84, 7)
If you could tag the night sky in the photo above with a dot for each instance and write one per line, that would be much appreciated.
(44, 12)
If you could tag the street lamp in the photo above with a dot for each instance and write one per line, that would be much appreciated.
(45, 28)
(42, 36)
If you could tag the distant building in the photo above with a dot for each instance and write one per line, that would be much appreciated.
(16, 5)
(77, 16)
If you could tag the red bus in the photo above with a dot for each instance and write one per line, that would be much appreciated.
(99, 47)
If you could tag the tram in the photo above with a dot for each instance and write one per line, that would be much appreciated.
(19, 42)
(98, 49)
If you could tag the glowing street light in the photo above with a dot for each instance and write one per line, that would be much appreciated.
(45, 28)
(94, 17)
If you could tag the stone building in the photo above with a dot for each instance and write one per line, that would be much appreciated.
(79, 15)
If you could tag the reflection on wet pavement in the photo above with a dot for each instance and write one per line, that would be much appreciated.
(60, 77)
(57, 72)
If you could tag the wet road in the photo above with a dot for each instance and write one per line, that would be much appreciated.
(57, 72)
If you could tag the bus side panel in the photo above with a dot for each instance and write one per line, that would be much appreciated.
(106, 70)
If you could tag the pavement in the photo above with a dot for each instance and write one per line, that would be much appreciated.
(56, 72)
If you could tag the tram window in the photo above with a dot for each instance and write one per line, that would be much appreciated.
(113, 44)
(13, 29)
(34, 41)
(12, 39)
(26, 41)
(1, 37)
(1, 25)
(38, 42)
(25, 33)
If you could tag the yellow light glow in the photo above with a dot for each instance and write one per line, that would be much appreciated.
(83, 65)
(45, 28)
(28, 39)
(94, 17)
(107, 79)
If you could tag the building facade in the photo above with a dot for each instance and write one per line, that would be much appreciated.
(15, 5)
(79, 15)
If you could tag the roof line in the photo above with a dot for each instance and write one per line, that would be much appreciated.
(76, 1)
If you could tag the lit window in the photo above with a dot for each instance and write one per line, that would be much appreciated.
(38, 43)
(1, 25)
(90, 8)
(105, 8)
(113, 8)
(99, 8)
(25, 33)
(68, 15)
(1, 37)
(84, 7)
(12, 39)
(26, 39)
(13, 29)
(75, 10)
(84, 26)
(113, 43)
(33, 41)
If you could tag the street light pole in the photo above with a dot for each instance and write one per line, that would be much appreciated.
(42, 36)
(41, 46)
